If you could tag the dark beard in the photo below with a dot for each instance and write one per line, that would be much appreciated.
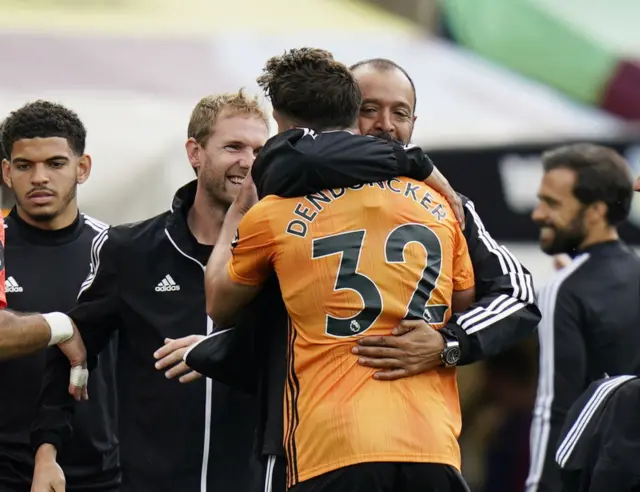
(386, 136)
(569, 239)
(46, 217)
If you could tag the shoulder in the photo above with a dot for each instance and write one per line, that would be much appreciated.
(144, 230)
(270, 206)
(568, 282)
(93, 225)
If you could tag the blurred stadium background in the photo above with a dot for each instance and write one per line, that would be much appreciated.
(498, 82)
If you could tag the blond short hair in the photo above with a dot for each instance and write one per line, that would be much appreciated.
(210, 108)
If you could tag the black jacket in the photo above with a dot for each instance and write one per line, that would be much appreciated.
(589, 328)
(44, 272)
(147, 283)
(300, 162)
(599, 447)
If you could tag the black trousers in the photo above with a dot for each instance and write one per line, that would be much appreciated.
(386, 477)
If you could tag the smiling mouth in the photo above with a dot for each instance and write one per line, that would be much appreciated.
(236, 180)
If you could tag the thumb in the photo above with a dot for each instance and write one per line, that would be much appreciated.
(406, 325)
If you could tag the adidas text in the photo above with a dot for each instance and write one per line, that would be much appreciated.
(167, 288)
(12, 288)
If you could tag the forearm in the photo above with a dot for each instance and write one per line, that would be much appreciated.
(218, 261)
(53, 421)
(22, 334)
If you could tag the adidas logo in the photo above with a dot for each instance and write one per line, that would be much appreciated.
(10, 285)
(167, 285)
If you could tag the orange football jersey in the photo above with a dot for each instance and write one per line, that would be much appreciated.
(354, 262)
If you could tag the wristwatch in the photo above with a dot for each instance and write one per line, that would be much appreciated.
(450, 355)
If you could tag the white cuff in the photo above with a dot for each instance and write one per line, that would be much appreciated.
(61, 327)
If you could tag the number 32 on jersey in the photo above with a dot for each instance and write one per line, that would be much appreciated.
(349, 246)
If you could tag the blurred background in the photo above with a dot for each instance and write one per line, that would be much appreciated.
(498, 82)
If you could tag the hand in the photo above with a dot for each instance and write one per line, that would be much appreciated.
(76, 352)
(561, 261)
(47, 474)
(247, 196)
(172, 354)
(414, 348)
(438, 182)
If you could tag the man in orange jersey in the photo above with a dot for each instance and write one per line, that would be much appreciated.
(350, 262)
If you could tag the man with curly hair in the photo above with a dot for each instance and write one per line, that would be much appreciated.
(362, 250)
(47, 253)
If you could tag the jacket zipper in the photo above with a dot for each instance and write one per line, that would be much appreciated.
(209, 389)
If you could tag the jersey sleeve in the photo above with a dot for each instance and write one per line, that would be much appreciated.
(3, 295)
(463, 278)
(97, 313)
(505, 311)
(252, 249)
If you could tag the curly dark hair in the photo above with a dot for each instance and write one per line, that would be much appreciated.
(43, 119)
(311, 88)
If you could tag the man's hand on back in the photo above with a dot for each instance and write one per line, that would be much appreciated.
(414, 348)
(438, 182)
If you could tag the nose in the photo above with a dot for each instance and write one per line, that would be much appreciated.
(39, 174)
(636, 184)
(538, 215)
(246, 161)
(383, 123)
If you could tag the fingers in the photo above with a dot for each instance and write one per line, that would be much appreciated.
(189, 378)
(377, 352)
(177, 370)
(388, 341)
(171, 359)
(407, 325)
(173, 345)
(391, 375)
(78, 378)
(380, 363)
(458, 210)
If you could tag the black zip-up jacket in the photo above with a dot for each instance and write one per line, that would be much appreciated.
(300, 162)
(589, 328)
(599, 447)
(44, 272)
(147, 283)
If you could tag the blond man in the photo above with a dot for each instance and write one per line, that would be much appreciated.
(147, 286)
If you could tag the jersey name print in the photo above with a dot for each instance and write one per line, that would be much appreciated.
(355, 262)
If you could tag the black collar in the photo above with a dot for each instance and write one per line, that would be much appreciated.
(604, 248)
(46, 237)
(177, 228)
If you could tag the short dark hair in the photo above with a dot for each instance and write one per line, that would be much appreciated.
(602, 175)
(3, 154)
(310, 87)
(43, 119)
(383, 65)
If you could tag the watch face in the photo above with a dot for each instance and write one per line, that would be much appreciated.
(452, 356)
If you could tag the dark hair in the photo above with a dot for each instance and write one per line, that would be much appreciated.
(43, 119)
(602, 175)
(3, 154)
(384, 65)
(310, 87)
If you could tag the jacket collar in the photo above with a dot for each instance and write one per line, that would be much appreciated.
(177, 229)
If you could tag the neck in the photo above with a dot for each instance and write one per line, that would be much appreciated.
(205, 219)
(65, 219)
(600, 236)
